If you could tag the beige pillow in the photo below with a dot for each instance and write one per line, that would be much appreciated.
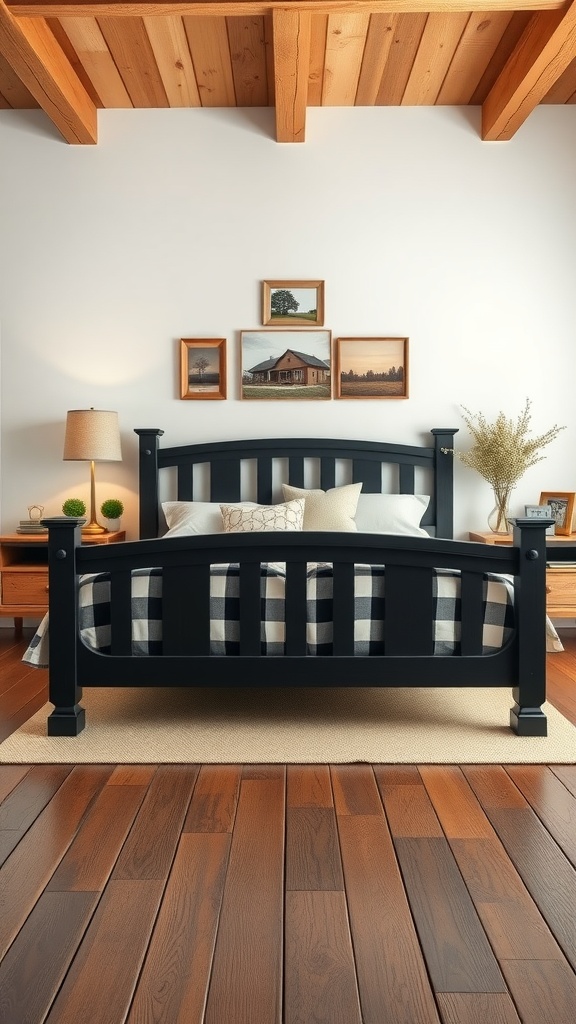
(239, 519)
(328, 510)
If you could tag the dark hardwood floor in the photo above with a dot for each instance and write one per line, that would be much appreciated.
(207, 894)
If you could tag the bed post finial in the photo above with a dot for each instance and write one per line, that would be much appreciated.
(148, 473)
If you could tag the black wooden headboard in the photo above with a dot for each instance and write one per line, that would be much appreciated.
(225, 460)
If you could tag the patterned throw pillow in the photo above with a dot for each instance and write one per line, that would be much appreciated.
(328, 510)
(239, 519)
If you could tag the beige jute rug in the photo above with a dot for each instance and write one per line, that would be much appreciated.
(292, 725)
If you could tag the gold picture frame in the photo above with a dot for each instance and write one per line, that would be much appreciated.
(561, 505)
(203, 368)
(293, 302)
(371, 368)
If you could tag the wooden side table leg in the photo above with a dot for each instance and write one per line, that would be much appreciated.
(18, 623)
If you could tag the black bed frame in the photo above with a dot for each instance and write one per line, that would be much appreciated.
(185, 563)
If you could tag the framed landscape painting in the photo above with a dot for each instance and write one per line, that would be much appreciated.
(279, 364)
(371, 368)
(293, 302)
(203, 368)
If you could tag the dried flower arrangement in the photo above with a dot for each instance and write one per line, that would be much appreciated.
(501, 452)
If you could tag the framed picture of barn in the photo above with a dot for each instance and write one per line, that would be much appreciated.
(371, 367)
(203, 368)
(283, 364)
(293, 302)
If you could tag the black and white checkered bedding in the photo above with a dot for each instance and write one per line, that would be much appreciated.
(369, 590)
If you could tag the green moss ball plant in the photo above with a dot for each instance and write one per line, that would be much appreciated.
(112, 508)
(74, 507)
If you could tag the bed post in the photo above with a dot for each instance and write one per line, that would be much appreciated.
(527, 717)
(444, 480)
(148, 489)
(68, 716)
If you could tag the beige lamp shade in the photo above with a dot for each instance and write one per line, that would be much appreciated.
(92, 435)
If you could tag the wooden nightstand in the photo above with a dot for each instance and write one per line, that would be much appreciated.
(560, 579)
(24, 573)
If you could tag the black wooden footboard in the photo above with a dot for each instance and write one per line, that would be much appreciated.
(408, 659)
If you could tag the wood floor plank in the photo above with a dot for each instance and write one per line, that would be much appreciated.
(511, 919)
(174, 983)
(35, 966)
(544, 990)
(457, 808)
(548, 876)
(355, 790)
(149, 850)
(214, 800)
(312, 851)
(116, 940)
(309, 786)
(25, 803)
(132, 775)
(552, 802)
(458, 955)
(90, 858)
(249, 941)
(409, 810)
(10, 776)
(392, 976)
(477, 1008)
(567, 775)
(28, 869)
(320, 983)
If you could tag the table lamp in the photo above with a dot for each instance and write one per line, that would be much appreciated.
(92, 435)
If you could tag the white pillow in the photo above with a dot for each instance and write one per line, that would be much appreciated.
(262, 518)
(328, 510)
(392, 513)
(191, 517)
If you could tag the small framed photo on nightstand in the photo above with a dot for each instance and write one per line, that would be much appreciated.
(540, 512)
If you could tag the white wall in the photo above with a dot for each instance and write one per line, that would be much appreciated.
(166, 229)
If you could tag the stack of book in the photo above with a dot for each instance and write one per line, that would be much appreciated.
(31, 526)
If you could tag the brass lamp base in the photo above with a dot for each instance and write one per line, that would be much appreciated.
(93, 528)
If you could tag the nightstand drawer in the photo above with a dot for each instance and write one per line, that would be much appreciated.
(25, 588)
(561, 584)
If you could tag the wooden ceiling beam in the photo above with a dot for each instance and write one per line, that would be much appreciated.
(541, 56)
(152, 8)
(291, 33)
(28, 46)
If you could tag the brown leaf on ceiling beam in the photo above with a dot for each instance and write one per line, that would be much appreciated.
(32, 52)
(542, 55)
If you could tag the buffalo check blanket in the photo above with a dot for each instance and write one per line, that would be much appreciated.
(369, 597)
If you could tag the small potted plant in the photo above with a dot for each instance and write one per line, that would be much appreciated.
(112, 510)
(74, 507)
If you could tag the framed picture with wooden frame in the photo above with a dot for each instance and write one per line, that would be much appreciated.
(203, 368)
(371, 368)
(293, 302)
(286, 365)
(561, 507)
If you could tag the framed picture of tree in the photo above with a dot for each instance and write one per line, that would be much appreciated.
(371, 368)
(293, 302)
(203, 368)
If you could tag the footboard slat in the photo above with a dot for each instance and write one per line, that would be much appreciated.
(186, 610)
(250, 610)
(295, 608)
(409, 616)
(121, 613)
(343, 609)
(471, 613)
